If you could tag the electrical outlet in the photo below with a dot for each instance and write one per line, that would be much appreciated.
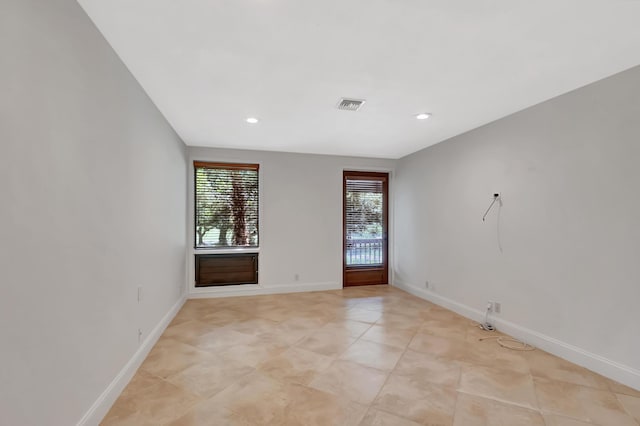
(296, 277)
(490, 306)
(426, 284)
(497, 307)
(139, 335)
(139, 294)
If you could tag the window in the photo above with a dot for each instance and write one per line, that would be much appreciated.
(364, 221)
(226, 205)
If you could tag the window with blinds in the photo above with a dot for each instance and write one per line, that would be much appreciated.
(226, 205)
(364, 229)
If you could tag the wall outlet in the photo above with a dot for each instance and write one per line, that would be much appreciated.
(296, 277)
(497, 307)
(490, 306)
(426, 284)
(139, 335)
(139, 294)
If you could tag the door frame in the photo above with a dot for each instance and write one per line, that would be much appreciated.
(367, 273)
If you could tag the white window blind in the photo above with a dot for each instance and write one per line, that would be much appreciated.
(364, 221)
(226, 205)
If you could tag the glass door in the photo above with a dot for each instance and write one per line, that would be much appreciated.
(365, 220)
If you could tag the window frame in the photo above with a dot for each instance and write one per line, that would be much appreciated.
(229, 165)
(368, 274)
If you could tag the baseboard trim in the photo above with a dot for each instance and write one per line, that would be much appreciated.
(257, 290)
(614, 370)
(101, 406)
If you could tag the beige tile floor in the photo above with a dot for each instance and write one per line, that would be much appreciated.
(359, 356)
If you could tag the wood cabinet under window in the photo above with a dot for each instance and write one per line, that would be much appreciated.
(226, 269)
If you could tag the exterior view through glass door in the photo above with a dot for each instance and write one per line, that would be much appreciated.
(365, 219)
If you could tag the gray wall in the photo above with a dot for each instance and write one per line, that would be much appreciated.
(569, 226)
(92, 205)
(300, 217)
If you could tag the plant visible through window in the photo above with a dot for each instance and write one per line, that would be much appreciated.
(226, 205)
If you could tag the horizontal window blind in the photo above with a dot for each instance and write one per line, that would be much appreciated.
(364, 221)
(226, 205)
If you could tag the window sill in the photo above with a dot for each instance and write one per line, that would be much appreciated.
(226, 250)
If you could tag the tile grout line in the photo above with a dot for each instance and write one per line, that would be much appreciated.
(624, 406)
(371, 405)
(394, 303)
(535, 393)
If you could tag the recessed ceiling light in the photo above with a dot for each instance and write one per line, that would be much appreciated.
(252, 120)
(423, 116)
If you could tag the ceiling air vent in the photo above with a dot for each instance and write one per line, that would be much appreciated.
(350, 104)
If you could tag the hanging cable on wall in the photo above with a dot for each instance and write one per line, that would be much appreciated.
(486, 325)
(496, 197)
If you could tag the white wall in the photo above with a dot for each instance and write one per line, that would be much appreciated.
(92, 205)
(569, 173)
(300, 217)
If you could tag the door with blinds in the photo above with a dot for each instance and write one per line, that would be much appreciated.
(365, 220)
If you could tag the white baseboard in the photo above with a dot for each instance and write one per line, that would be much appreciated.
(614, 370)
(101, 406)
(256, 290)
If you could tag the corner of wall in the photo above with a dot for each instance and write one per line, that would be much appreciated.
(608, 368)
(103, 404)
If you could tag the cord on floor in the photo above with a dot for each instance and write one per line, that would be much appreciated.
(504, 341)
(510, 343)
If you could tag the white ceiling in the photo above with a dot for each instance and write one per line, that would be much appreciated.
(209, 64)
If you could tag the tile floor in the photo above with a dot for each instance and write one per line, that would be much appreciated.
(359, 356)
